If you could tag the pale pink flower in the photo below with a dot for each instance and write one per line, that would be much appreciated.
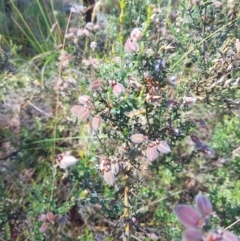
(85, 100)
(192, 234)
(188, 216)
(46, 218)
(44, 227)
(151, 152)
(194, 219)
(96, 122)
(117, 88)
(64, 161)
(163, 147)
(136, 34)
(138, 138)
(96, 85)
(81, 112)
(203, 205)
(109, 177)
(131, 46)
(220, 235)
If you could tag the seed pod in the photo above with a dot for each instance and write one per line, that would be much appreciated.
(163, 147)
(138, 138)
(151, 152)
(95, 85)
(81, 112)
(96, 122)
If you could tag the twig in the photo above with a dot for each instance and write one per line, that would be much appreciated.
(232, 224)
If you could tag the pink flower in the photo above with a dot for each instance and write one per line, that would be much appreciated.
(108, 175)
(81, 112)
(188, 216)
(220, 235)
(151, 152)
(85, 100)
(95, 85)
(46, 219)
(131, 46)
(96, 122)
(203, 205)
(163, 147)
(117, 88)
(136, 34)
(64, 160)
(138, 138)
(192, 234)
(193, 219)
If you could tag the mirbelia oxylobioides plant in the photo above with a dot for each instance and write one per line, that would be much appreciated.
(129, 110)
